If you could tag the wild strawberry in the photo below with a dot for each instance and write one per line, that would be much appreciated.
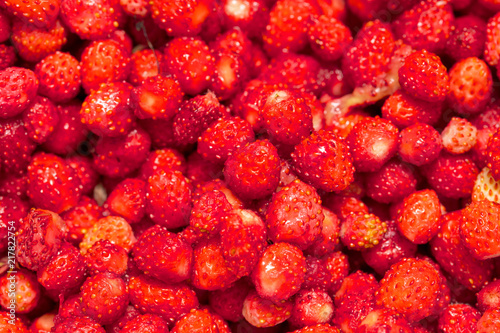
(424, 76)
(486, 187)
(459, 318)
(311, 306)
(42, 15)
(162, 159)
(106, 111)
(80, 218)
(219, 185)
(196, 320)
(40, 119)
(59, 75)
(104, 297)
(369, 56)
(426, 25)
(221, 324)
(119, 156)
(12, 210)
(343, 206)
(168, 199)
(147, 323)
(492, 154)
(195, 116)
(144, 64)
(25, 287)
(326, 273)
(319, 328)
(352, 310)
(128, 200)
(39, 237)
(77, 324)
(459, 136)
(243, 239)
(43, 324)
(295, 215)
(84, 171)
(157, 97)
(228, 302)
(372, 142)
(7, 55)
(328, 240)
(489, 321)
(250, 16)
(230, 74)
(18, 87)
(261, 312)
(5, 24)
(103, 61)
(491, 47)
(64, 271)
(286, 30)
(224, 137)
(80, 17)
(210, 270)
(283, 280)
(361, 231)
(104, 256)
(200, 171)
(467, 38)
(487, 298)
(384, 319)
(358, 285)
(452, 176)
(404, 110)
(419, 144)
(252, 172)
(391, 248)
(15, 145)
(413, 288)
(69, 133)
(190, 61)
(328, 37)
(52, 183)
(113, 228)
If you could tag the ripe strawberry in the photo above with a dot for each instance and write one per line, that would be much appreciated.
(467, 38)
(343, 206)
(404, 110)
(81, 218)
(459, 136)
(491, 47)
(221, 324)
(15, 145)
(162, 159)
(12, 210)
(489, 321)
(104, 256)
(311, 307)
(40, 119)
(27, 290)
(369, 56)
(486, 187)
(7, 55)
(219, 185)
(147, 323)
(252, 172)
(419, 144)
(279, 272)
(326, 273)
(200, 171)
(5, 24)
(426, 25)
(65, 270)
(492, 154)
(190, 61)
(228, 302)
(459, 318)
(452, 176)
(328, 37)
(487, 298)
(230, 74)
(113, 228)
(52, 183)
(352, 310)
(223, 138)
(261, 312)
(328, 240)
(84, 171)
(319, 328)
(478, 228)
(144, 64)
(424, 76)
(39, 237)
(413, 288)
(18, 87)
(361, 231)
(103, 61)
(80, 17)
(196, 320)
(384, 319)
(168, 199)
(119, 156)
(43, 324)
(78, 324)
(42, 14)
(128, 200)
(250, 16)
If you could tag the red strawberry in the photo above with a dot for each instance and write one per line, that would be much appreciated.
(104, 297)
(40, 14)
(424, 76)
(358, 285)
(40, 119)
(12, 211)
(181, 18)
(372, 142)
(467, 37)
(64, 271)
(43, 324)
(413, 288)
(113, 228)
(190, 61)
(136, 9)
(426, 25)
(5, 24)
(80, 17)
(328, 240)
(287, 28)
(311, 306)
(250, 16)
(7, 55)
(360, 231)
(103, 61)
(489, 322)
(486, 187)
(261, 312)
(162, 159)
(491, 47)
(128, 200)
(230, 74)
(492, 154)
(15, 145)
(419, 144)
(52, 183)
(369, 56)
(326, 273)
(252, 172)
(18, 87)
(459, 318)
(77, 324)
(459, 136)
(39, 237)
(84, 171)
(343, 206)
(384, 319)
(157, 97)
(169, 301)
(104, 256)
(219, 185)
(144, 64)
(196, 321)
(81, 218)
(418, 219)
(228, 303)
(27, 290)
(147, 323)
(488, 298)
(163, 255)
(319, 328)
(279, 272)
(328, 37)
(168, 199)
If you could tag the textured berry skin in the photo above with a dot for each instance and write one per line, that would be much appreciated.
(144, 65)
(491, 47)
(168, 199)
(318, 328)
(328, 240)
(311, 306)
(486, 187)
(295, 215)
(128, 200)
(489, 322)
(8, 55)
(324, 161)
(104, 256)
(16, 146)
(454, 257)
(253, 171)
(424, 76)
(18, 87)
(419, 144)
(169, 301)
(250, 16)
(478, 228)
(384, 319)
(81, 218)
(228, 303)
(458, 318)
(328, 37)
(113, 228)
(492, 154)
(261, 312)
(467, 38)
(459, 136)
(12, 209)
(231, 73)
(413, 288)
(196, 321)
(40, 119)
(78, 324)
(40, 14)
(147, 323)
(326, 273)
(27, 290)
(162, 159)
(360, 231)
(163, 255)
(279, 272)
(487, 298)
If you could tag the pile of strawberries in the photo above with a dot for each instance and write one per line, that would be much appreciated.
(216, 166)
